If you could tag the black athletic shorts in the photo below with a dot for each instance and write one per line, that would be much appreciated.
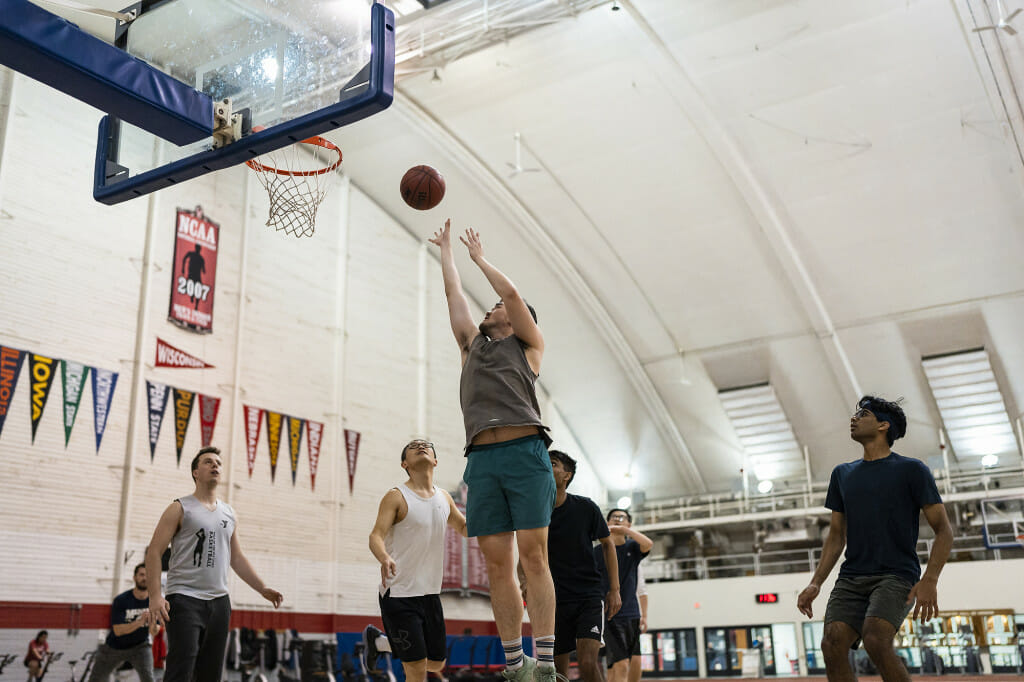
(621, 639)
(578, 620)
(414, 626)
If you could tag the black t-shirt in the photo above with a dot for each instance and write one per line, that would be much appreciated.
(125, 609)
(882, 501)
(629, 556)
(575, 525)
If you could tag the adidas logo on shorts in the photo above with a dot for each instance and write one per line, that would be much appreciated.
(595, 629)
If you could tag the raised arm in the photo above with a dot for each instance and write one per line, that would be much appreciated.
(519, 315)
(926, 589)
(458, 305)
(387, 516)
(241, 566)
(830, 553)
(456, 519)
(164, 532)
(646, 544)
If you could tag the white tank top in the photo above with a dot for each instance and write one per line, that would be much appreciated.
(201, 550)
(416, 543)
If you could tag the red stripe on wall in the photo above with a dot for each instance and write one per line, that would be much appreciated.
(66, 616)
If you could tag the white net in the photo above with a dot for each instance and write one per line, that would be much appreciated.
(297, 178)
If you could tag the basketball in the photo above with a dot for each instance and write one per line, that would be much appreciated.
(422, 187)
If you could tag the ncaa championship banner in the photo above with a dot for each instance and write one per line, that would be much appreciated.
(194, 271)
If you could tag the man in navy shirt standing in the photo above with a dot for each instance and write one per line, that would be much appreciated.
(622, 636)
(876, 503)
(128, 639)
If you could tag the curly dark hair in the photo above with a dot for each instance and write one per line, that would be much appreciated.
(568, 463)
(886, 411)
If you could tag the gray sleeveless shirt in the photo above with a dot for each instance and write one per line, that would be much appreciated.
(497, 386)
(201, 550)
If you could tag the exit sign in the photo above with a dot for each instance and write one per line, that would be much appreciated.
(767, 598)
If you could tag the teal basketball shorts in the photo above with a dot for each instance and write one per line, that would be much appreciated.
(511, 486)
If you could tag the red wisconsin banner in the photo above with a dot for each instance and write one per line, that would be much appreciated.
(352, 452)
(169, 356)
(253, 423)
(208, 407)
(314, 432)
(194, 271)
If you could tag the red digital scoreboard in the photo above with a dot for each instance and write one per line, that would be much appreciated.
(767, 598)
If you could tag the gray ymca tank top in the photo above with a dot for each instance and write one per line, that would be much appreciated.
(416, 543)
(201, 550)
(497, 386)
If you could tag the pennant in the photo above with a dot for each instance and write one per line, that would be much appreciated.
(156, 400)
(314, 432)
(273, 438)
(104, 381)
(11, 360)
(253, 424)
(42, 370)
(352, 451)
(183, 402)
(208, 407)
(295, 442)
(169, 356)
(72, 375)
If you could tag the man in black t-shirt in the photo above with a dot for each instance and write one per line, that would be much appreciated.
(130, 629)
(876, 504)
(622, 636)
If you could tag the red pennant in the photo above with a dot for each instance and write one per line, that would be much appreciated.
(253, 423)
(314, 432)
(169, 356)
(208, 407)
(352, 450)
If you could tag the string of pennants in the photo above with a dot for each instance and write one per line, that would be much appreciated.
(42, 371)
(277, 424)
(184, 401)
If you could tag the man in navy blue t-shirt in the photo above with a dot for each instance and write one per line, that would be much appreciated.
(130, 629)
(876, 504)
(622, 636)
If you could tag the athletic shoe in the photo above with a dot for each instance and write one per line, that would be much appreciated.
(548, 675)
(526, 673)
(370, 635)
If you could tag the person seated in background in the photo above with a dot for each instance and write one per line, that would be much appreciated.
(37, 650)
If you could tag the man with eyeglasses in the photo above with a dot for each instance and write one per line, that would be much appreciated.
(508, 472)
(876, 504)
(622, 635)
(408, 541)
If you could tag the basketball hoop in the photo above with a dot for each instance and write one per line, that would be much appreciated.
(297, 178)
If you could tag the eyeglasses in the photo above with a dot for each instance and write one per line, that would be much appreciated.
(419, 445)
(618, 517)
(861, 413)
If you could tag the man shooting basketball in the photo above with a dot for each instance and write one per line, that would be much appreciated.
(508, 471)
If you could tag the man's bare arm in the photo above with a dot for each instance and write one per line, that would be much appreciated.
(646, 544)
(241, 566)
(164, 532)
(830, 553)
(611, 565)
(925, 592)
(458, 305)
(387, 513)
(456, 519)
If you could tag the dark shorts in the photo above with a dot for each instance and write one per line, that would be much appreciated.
(414, 626)
(197, 638)
(621, 639)
(510, 486)
(578, 620)
(855, 598)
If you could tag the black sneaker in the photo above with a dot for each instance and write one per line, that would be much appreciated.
(370, 651)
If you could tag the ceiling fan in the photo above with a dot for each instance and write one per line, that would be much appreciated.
(1004, 20)
(517, 167)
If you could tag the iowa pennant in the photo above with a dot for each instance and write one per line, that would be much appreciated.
(253, 424)
(208, 407)
(42, 370)
(314, 432)
(72, 375)
(183, 402)
(156, 400)
(352, 452)
(104, 382)
(11, 360)
(273, 438)
(295, 442)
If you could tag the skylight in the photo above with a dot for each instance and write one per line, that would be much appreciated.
(763, 430)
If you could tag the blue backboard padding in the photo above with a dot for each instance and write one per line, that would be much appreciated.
(52, 50)
(378, 96)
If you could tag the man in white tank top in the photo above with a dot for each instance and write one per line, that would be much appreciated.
(201, 531)
(408, 541)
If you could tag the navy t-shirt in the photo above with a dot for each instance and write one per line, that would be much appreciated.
(575, 525)
(882, 501)
(125, 609)
(629, 556)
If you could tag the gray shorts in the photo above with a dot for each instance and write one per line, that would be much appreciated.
(855, 598)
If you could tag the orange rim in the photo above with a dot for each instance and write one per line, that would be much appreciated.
(316, 140)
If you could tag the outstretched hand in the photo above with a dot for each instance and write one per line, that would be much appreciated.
(442, 237)
(272, 596)
(472, 242)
